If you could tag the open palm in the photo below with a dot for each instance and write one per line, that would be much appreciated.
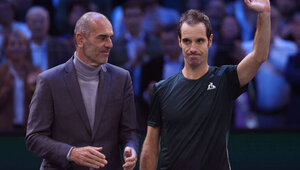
(258, 5)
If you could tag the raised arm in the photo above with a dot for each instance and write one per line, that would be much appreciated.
(248, 67)
(150, 151)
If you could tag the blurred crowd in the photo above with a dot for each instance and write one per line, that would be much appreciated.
(36, 35)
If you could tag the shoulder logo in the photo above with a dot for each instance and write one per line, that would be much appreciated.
(211, 86)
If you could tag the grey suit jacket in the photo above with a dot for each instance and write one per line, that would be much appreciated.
(58, 119)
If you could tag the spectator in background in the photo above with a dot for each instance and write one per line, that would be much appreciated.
(76, 9)
(292, 73)
(51, 6)
(286, 8)
(273, 90)
(157, 16)
(162, 67)
(135, 46)
(246, 18)
(8, 23)
(228, 48)
(61, 15)
(17, 79)
(117, 20)
(46, 51)
(215, 10)
(167, 64)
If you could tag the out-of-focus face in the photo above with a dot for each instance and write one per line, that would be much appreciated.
(194, 44)
(229, 28)
(76, 12)
(215, 11)
(133, 19)
(97, 45)
(38, 24)
(169, 43)
(286, 6)
(16, 47)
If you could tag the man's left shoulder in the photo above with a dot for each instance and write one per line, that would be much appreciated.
(113, 69)
(225, 69)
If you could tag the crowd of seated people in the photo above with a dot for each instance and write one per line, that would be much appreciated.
(38, 35)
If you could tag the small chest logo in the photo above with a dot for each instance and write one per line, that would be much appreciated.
(211, 86)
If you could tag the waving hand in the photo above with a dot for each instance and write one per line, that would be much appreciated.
(258, 5)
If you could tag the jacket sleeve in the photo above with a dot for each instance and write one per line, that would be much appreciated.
(129, 136)
(38, 134)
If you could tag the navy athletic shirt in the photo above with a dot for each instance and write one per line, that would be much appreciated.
(194, 117)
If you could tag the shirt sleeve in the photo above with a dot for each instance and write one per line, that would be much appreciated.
(154, 118)
(68, 155)
(234, 83)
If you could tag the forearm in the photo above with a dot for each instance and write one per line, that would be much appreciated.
(49, 149)
(262, 37)
(248, 67)
(149, 158)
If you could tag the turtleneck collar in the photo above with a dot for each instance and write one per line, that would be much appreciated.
(84, 70)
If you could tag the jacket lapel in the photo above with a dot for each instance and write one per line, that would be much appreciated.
(75, 92)
(102, 96)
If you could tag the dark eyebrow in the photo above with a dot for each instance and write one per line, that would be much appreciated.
(186, 39)
(201, 39)
(104, 36)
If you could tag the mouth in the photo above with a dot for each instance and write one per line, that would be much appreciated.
(105, 52)
(193, 55)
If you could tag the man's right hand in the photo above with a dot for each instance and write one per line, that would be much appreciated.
(88, 156)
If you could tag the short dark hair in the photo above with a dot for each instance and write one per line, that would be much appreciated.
(192, 17)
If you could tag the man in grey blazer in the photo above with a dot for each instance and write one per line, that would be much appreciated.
(82, 112)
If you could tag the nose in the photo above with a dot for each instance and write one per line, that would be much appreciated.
(108, 43)
(193, 48)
